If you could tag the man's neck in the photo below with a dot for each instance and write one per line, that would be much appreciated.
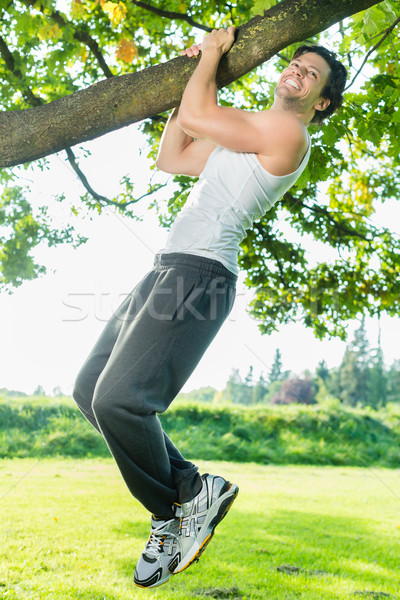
(306, 118)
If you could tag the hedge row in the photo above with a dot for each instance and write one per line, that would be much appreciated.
(296, 434)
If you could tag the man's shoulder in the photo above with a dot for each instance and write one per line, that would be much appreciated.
(285, 124)
(286, 141)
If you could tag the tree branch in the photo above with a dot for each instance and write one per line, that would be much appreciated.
(280, 268)
(37, 101)
(119, 101)
(283, 57)
(9, 60)
(321, 210)
(81, 175)
(81, 36)
(169, 14)
(387, 32)
(153, 188)
(342, 33)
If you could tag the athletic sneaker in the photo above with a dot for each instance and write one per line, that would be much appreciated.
(162, 548)
(200, 516)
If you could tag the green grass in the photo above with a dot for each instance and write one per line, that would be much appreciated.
(70, 530)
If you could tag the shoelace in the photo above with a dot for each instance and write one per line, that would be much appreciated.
(159, 538)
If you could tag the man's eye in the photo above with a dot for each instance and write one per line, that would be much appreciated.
(314, 74)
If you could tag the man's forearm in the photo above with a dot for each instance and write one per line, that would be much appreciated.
(200, 94)
(199, 102)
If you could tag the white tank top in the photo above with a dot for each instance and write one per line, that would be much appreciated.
(233, 191)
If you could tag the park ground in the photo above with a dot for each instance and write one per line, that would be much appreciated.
(70, 530)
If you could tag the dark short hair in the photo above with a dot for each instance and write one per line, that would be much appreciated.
(333, 90)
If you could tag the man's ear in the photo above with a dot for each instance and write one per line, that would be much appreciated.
(322, 104)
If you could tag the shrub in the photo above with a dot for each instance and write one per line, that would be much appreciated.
(324, 435)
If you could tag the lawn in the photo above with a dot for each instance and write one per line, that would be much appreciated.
(70, 530)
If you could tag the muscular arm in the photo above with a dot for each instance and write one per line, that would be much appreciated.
(277, 135)
(200, 124)
(179, 152)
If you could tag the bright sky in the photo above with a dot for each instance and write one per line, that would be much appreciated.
(49, 325)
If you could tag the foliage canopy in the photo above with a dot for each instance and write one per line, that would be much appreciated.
(52, 48)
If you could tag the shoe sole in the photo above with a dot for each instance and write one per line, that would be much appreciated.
(207, 530)
(147, 587)
(157, 584)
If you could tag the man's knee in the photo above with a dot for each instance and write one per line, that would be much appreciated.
(80, 393)
(84, 386)
(104, 404)
(112, 400)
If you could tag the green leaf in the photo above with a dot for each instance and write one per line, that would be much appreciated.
(260, 6)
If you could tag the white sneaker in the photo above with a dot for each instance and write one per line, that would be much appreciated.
(162, 549)
(200, 517)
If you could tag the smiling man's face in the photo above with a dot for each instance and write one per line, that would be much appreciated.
(301, 83)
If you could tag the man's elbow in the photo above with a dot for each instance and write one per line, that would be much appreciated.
(189, 122)
(164, 165)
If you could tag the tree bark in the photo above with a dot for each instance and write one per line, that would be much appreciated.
(113, 103)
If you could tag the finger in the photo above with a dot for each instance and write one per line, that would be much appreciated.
(230, 31)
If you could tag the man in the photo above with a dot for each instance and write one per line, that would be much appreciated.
(246, 162)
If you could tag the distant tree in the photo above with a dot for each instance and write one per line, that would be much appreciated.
(234, 382)
(354, 370)
(393, 382)
(361, 346)
(249, 377)
(274, 389)
(294, 391)
(322, 370)
(377, 378)
(40, 391)
(332, 384)
(276, 372)
(320, 379)
(11, 393)
(349, 379)
(236, 390)
(325, 396)
(260, 390)
(203, 394)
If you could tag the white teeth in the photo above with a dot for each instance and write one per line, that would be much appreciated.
(292, 83)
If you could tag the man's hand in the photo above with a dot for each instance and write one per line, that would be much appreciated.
(218, 39)
(192, 51)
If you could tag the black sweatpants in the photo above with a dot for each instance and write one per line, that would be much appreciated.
(146, 353)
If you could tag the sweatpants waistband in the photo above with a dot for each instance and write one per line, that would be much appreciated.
(206, 266)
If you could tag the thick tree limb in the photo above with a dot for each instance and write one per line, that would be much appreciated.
(119, 101)
(34, 100)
